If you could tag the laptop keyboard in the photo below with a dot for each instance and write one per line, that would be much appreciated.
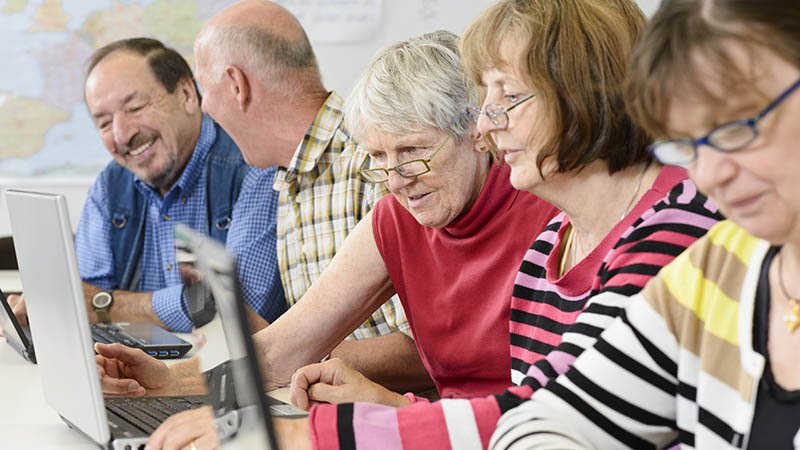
(147, 413)
(108, 333)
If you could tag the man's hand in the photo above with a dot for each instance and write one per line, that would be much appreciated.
(193, 429)
(335, 382)
(17, 303)
(131, 372)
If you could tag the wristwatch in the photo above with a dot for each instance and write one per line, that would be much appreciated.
(101, 303)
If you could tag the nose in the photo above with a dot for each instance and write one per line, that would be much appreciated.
(485, 124)
(396, 182)
(712, 169)
(124, 130)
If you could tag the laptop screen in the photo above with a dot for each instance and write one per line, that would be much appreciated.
(56, 309)
(218, 271)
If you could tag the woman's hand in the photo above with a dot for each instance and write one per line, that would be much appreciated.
(334, 381)
(189, 430)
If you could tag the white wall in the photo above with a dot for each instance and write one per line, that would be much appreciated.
(340, 65)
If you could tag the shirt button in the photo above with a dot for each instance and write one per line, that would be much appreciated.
(184, 199)
(165, 217)
(169, 267)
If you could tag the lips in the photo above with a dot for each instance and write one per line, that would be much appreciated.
(745, 203)
(141, 148)
(414, 201)
(509, 154)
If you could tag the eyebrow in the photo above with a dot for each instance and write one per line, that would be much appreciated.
(128, 98)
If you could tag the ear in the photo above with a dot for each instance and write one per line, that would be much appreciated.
(188, 92)
(481, 145)
(239, 86)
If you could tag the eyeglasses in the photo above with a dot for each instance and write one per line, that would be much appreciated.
(498, 114)
(408, 169)
(728, 137)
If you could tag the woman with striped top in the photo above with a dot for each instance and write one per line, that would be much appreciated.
(571, 143)
(706, 355)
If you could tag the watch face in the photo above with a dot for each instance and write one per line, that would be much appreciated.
(101, 300)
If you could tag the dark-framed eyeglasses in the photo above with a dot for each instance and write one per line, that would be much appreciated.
(728, 137)
(498, 114)
(408, 169)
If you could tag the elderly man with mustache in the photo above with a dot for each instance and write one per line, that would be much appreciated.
(171, 163)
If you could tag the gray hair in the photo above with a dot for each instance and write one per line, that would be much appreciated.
(273, 59)
(412, 86)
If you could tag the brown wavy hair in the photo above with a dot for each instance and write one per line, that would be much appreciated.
(574, 56)
(684, 32)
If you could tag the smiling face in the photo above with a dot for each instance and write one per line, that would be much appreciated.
(147, 130)
(458, 172)
(756, 186)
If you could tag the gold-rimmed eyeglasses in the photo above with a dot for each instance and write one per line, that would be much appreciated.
(408, 169)
(498, 114)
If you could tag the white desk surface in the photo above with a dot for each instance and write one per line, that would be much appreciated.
(27, 422)
(10, 281)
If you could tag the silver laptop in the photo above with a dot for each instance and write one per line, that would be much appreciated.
(27, 211)
(62, 337)
(218, 272)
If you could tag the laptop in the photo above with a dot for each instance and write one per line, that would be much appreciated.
(218, 271)
(62, 336)
(17, 335)
(41, 229)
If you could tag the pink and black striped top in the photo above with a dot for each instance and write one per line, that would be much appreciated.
(670, 216)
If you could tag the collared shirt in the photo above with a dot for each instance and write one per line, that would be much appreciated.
(185, 203)
(321, 200)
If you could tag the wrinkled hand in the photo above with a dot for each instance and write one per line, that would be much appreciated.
(131, 372)
(334, 381)
(181, 430)
(17, 303)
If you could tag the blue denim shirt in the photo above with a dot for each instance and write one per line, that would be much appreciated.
(251, 234)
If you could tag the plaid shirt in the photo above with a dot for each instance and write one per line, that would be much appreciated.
(321, 199)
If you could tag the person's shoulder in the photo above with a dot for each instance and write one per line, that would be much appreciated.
(725, 245)
(683, 202)
(113, 173)
(730, 239)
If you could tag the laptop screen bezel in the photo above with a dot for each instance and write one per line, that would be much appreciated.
(15, 336)
(213, 260)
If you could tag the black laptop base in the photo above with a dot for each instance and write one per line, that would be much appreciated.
(152, 339)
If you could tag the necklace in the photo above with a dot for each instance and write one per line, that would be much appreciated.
(566, 249)
(792, 316)
(636, 192)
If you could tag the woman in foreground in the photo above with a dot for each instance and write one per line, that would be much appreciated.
(707, 354)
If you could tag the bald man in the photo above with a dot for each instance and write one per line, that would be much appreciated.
(262, 84)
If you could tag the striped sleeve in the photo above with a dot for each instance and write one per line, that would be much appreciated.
(446, 424)
(618, 394)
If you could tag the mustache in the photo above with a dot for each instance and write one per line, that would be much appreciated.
(136, 141)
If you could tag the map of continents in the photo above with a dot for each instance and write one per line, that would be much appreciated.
(45, 129)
